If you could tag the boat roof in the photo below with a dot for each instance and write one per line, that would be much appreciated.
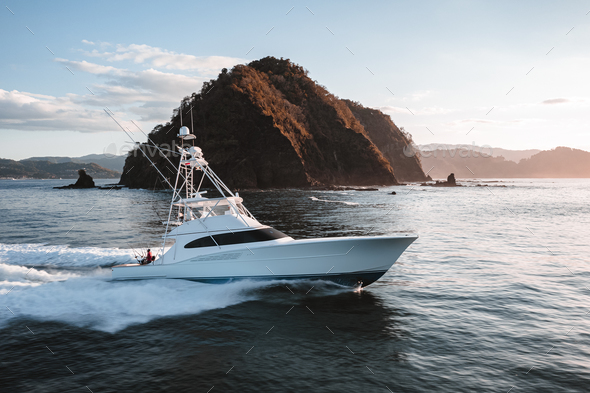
(202, 202)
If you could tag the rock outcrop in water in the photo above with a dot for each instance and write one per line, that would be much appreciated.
(267, 124)
(451, 182)
(84, 181)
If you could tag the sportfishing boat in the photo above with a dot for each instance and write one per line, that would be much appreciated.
(217, 240)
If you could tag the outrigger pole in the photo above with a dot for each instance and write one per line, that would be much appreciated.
(146, 156)
(155, 167)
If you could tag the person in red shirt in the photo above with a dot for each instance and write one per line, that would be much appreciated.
(148, 257)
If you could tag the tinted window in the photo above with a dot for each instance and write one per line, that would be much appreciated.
(225, 239)
(202, 242)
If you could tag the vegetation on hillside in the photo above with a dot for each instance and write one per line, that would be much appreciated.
(267, 124)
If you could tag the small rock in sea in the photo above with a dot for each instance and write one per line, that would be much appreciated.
(84, 181)
(451, 179)
(451, 182)
(393, 193)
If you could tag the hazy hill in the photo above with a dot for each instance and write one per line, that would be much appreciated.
(49, 170)
(114, 163)
(513, 155)
(267, 124)
(510, 155)
(559, 162)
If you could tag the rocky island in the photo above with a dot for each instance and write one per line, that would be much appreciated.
(84, 181)
(451, 182)
(268, 125)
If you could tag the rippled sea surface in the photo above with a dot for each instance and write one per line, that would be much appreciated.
(493, 296)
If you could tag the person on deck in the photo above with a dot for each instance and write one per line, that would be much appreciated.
(148, 257)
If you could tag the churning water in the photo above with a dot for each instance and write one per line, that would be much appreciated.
(493, 296)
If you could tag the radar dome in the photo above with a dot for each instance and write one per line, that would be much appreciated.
(184, 131)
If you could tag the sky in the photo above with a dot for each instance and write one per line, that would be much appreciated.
(503, 73)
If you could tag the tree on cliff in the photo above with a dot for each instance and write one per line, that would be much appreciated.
(267, 124)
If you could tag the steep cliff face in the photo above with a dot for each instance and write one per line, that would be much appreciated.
(391, 142)
(267, 124)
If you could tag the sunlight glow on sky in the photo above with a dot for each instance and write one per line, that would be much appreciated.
(437, 67)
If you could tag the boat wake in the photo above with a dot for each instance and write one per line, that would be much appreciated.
(46, 255)
(71, 287)
(96, 303)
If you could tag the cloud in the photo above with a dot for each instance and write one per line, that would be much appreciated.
(91, 68)
(147, 95)
(420, 95)
(161, 58)
(393, 109)
(474, 121)
(480, 121)
(556, 101)
(427, 111)
(33, 112)
(123, 87)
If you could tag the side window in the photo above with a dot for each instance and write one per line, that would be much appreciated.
(202, 242)
(225, 239)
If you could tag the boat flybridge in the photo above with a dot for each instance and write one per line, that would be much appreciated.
(217, 240)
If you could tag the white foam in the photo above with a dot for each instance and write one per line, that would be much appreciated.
(326, 200)
(97, 303)
(20, 276)
(60, 287)
(41, 255)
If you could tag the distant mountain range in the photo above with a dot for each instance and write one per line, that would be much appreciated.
(510, 155)
(114, 163)
(437, 160)
(470, 162)
(51, 170)
(465, 161)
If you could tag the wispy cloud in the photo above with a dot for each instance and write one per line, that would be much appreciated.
(426, 111)
(162, 58)
(146, 95)
(475, 121)
(151, 84)
(553, 101)
(419, 95)
(33, 112)
(91, 68)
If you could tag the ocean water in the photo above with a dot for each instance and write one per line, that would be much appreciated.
(493, 297)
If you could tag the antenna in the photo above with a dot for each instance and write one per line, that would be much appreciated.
(180, 113)
(192, 123)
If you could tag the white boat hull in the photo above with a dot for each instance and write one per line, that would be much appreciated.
(347, 261)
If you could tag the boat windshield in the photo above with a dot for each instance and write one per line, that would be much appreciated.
(209, 209)
(225, 239)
